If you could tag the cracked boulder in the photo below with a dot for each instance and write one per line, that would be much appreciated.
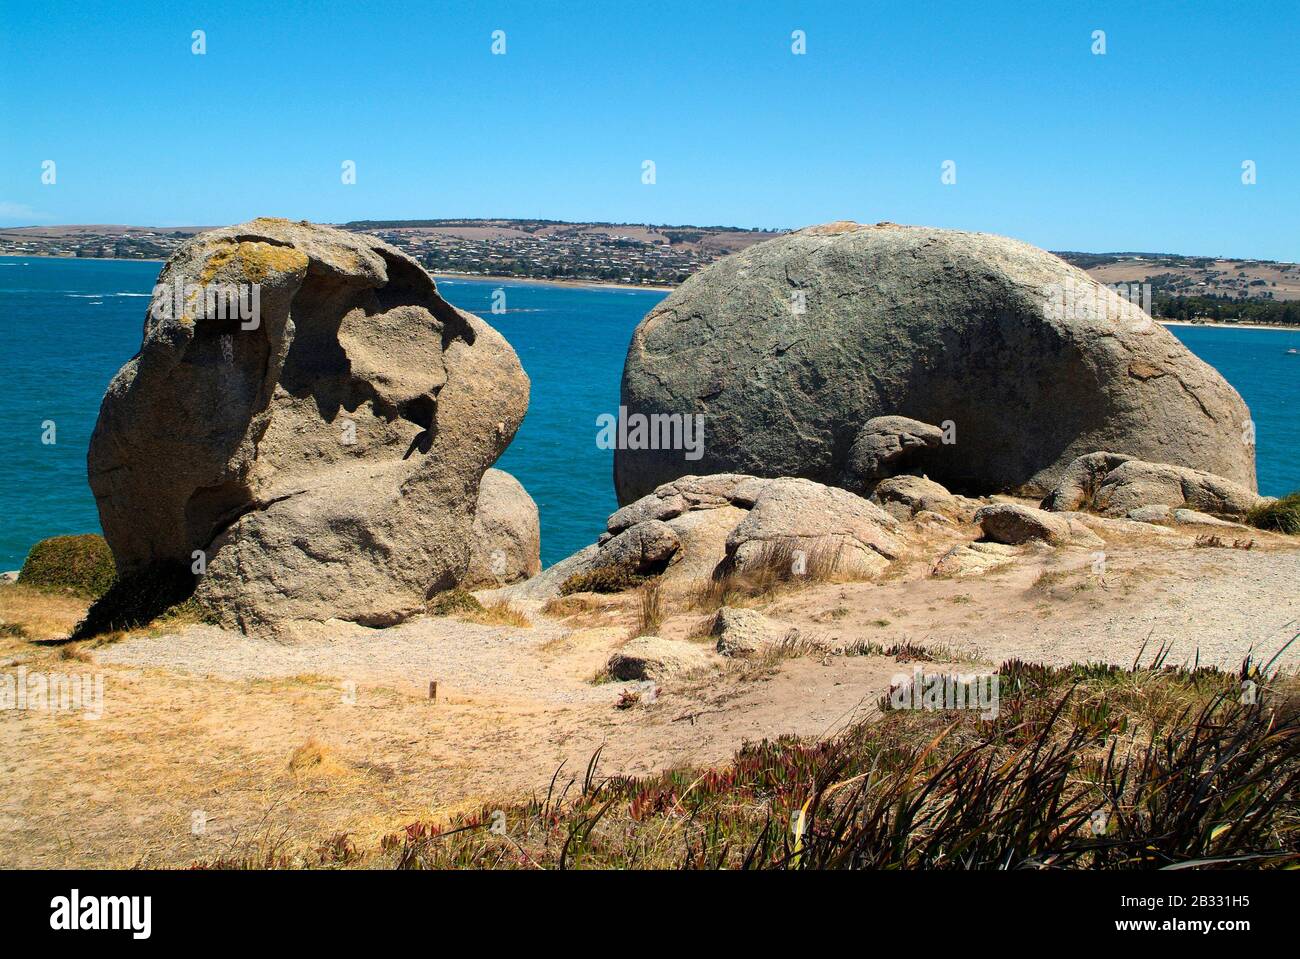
(837, 532)
(506, 542)
(1121, 486)
(884, 448)
(789, 347)
(320, 459)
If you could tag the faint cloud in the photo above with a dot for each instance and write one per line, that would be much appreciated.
(20, 211)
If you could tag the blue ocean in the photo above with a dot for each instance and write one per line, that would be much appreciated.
(70, 324)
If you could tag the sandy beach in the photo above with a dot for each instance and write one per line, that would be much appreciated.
(531, 281)
(1232, 326)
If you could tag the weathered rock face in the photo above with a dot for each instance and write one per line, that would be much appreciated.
(914, 493)
(645, 547)
(746, 632)
(686, 495)
(790, 347)
(691, 529)
(506, 540)
(883, 448)
(1012, 524)
(325, 459)
(1120, 486)
(828, 525)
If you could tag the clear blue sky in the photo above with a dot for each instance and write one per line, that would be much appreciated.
(1139, 149)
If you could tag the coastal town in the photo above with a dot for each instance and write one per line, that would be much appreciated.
(634, 254)
(1178, 287)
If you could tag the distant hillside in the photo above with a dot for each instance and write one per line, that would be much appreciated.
(1182, 287)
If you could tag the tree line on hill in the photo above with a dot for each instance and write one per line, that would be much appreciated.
(1222, 309)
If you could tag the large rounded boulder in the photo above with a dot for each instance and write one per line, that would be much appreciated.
(305, 428)
(790, 347)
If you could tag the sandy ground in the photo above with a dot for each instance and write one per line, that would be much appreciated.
(190, 759)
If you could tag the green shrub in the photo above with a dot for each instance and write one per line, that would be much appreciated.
(1282, 516)
(454, 601)
(78, 564)
(606, 579)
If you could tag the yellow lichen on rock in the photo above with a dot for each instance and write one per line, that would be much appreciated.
(261, 259)
(257, 259)
(220, 257)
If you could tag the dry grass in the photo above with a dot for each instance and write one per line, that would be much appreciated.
(1215, 542)
(780, 564)
(582, 610)
(75, 653)
(650, 611)
(314, 759)
(1184, 772)
(500, 613)
(562, 607)
(31, 613)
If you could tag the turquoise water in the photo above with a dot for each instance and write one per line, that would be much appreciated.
(68, 325)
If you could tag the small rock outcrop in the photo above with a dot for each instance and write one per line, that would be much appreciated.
(1014, 524)
(973, 559)
(1117, 485)
(688, 494)
(644, 548)
(913, 494)
(747, 632)
(1158, 513)
(884, 447)
(1191, 517)
(788, 347)
(832, 526)
(654, 658)
(506, 539)
(318, 458)
(695, 527)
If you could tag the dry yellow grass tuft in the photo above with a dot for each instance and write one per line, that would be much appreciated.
(314, 758)
(780, 565)
(500, 613)
(75, 652)
(650, 611)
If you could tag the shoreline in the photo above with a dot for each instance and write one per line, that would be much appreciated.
(484, 277)
(606, 285)
(1220, 325)
(539, 281)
